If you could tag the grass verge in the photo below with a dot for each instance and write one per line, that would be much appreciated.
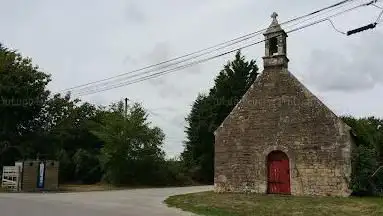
(102, 187)
(234, 204)
(86, 188)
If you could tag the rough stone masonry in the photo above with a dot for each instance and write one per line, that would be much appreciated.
(280, 113)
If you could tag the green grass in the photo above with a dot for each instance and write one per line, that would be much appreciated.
(102, 187)
(225, 204)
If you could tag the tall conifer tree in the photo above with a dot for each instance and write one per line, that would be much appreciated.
(209, 111)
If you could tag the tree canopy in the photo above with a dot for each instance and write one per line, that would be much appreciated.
(367, 155)
(209, 111)
(92, 143)
(122, 147)
(132, 148)
(23, 95)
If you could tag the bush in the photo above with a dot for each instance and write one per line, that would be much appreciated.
(367, 156)
(87, 167)
(172, 173)
(364, 165)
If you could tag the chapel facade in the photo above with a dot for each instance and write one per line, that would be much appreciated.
(280, 138)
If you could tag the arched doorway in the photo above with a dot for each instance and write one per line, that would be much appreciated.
(278, 173)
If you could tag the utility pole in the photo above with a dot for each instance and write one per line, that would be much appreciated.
(126, 107)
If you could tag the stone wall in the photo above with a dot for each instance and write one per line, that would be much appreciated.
(51, 175)
(29, 175)
(279, 113)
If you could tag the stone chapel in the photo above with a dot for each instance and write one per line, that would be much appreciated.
(280, 138)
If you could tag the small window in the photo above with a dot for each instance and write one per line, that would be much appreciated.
(273, 47)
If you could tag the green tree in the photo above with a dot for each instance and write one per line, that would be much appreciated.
(87, 168)
(89, 141)
(23, 94)
(199, 147)
(65, 135)
(209, 111)
(132, 150)
(48, 139)
(367, 154)
(172, 173)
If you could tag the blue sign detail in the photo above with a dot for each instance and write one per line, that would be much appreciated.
(41, 175)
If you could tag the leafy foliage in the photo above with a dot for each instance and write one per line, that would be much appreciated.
(132, 149)
(94, 143)
(209, 111)
(23, 93)
(87, 167)
(367, 155)
(90, 142)
(66, 131)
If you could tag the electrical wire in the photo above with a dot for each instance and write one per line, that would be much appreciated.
(368, 26)
(161, 73)
(153, 69)
(310, 18)
(203, 60)
(233, 41)
(88, 89)
(380, 16)
(381, 13)
(157, 74)
(191, 58)
(337, 14)
(332, 24)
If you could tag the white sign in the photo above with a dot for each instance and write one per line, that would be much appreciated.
(41, 175)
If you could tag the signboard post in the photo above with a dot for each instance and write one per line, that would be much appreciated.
(41, 175)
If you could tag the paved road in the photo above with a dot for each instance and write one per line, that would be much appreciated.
(138, 202)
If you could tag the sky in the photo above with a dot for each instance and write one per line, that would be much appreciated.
(78, 42)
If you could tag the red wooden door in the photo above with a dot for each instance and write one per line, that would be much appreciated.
(278, 173)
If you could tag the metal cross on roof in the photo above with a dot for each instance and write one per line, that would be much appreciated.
(274, 16)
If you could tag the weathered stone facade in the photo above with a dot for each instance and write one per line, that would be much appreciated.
(280, 113)
(30, 173)
(51, 175)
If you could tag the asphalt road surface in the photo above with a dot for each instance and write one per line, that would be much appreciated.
(137, 202)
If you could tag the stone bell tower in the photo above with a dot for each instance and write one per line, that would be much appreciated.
(275, 45)
(280, 138)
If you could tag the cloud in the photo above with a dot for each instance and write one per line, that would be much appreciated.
(129, 60)
(194, 70)
(119, 36)
(159, 53)
(166, 86)
(135, 14)
(99, 100)
(164, 109)
(355, 68)
(178, 120)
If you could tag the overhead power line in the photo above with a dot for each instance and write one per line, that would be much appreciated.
(377, 6)
(100, 85)
(160, 73)
(361, 5)
(381, 13)
(337, 14)
(224, 44)
(368, 26)
(363, 28)
(119, 84)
